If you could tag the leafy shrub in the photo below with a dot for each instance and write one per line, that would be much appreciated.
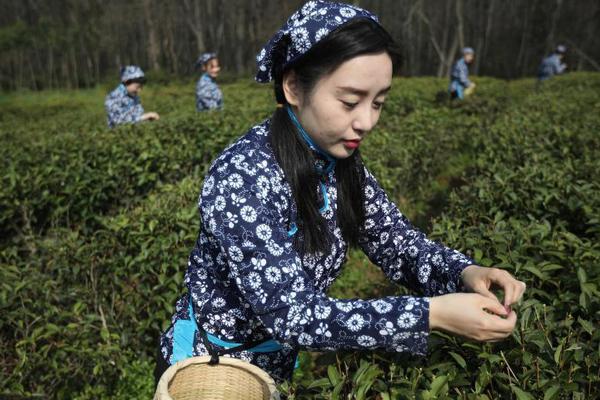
(511, 176)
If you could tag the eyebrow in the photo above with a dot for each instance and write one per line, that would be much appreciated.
(361, 92)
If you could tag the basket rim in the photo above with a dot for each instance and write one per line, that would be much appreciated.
(162, 389)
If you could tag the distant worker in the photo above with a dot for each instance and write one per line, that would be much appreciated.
(460, 85)
(553, 64)
(208, 94)
(123, 104)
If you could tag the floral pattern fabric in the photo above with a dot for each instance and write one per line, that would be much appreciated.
(131, 72)
(307, 26)
(550, 66)
(208, 94)
(121, 108)
(247, 282)
(460, 73)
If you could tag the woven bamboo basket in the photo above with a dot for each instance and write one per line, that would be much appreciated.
(231, 379)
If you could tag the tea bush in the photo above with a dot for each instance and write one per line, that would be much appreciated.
(90, 270)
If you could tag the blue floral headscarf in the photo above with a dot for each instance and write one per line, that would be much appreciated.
(306, 27)
(204, 58)
(131, 72)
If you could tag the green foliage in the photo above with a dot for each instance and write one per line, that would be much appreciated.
(97, 226)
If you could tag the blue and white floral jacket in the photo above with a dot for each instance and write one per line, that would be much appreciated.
(121, 108)
(208, 94)
(247, 282)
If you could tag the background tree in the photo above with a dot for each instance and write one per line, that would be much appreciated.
(77, 43)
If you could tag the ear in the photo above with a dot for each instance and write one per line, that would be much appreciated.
(291, 89)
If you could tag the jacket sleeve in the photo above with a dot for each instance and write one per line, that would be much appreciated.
(557, 67)
(405, 254)
(246, 216)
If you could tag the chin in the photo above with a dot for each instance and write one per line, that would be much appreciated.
(343, 153)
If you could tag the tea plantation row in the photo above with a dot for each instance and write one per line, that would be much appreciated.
(97, 225)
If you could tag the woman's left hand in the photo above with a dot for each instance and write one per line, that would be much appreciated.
(482, 279)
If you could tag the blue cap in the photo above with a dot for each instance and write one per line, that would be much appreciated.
(204, 58)
(306, 27)
(561, 49)
(129, 72)
(468, 50)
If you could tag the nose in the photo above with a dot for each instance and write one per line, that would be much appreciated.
(365, 119)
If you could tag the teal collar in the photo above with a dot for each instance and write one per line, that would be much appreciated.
(330, 160)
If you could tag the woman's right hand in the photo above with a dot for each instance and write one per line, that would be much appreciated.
(150, 116)
(465, 314)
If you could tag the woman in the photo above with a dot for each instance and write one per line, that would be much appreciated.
(281, 206)
(208, 94)
(123, 104)
(460, 85)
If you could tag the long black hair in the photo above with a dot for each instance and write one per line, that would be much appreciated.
(356, 37)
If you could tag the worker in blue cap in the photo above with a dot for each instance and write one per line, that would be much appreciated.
(123, 105)
(460, 85)
(208, 93)
(553, 64)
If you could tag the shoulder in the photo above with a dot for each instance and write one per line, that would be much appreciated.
(116, 95)
(248, 166)
(249, 157)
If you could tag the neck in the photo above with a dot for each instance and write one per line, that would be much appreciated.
(312, 145)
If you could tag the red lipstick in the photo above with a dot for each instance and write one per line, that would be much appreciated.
(352, 144)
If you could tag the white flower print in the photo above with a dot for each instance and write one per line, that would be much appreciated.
(322, 312)
(274, 248)
(382, 306)
(424, 272)
(220, 203)
(386, 328)
(254, 280)
(230, 219)
(355, 322)
(258, 262)
(218, 302)
(346, 307)
(235, 181)
(228, 320)
(238, 158)
(263, 183)
(248, 214)
(305, 339)
(321, 33)
(437, 260)
(236, 254)
(300, 39)
(371, 209)
(323, 330)
(298, 284)
(366, 341)
(384, 237)
(369, 192)
(263, 232)
(347, 12)
(273, 274)
(413, 251)
(237, 200)
(209, 183)
(261, 55)
(308, 7)
(407, 320)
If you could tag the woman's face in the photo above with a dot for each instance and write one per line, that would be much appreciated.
(212, 67)
(134, 88)
(344, 105)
